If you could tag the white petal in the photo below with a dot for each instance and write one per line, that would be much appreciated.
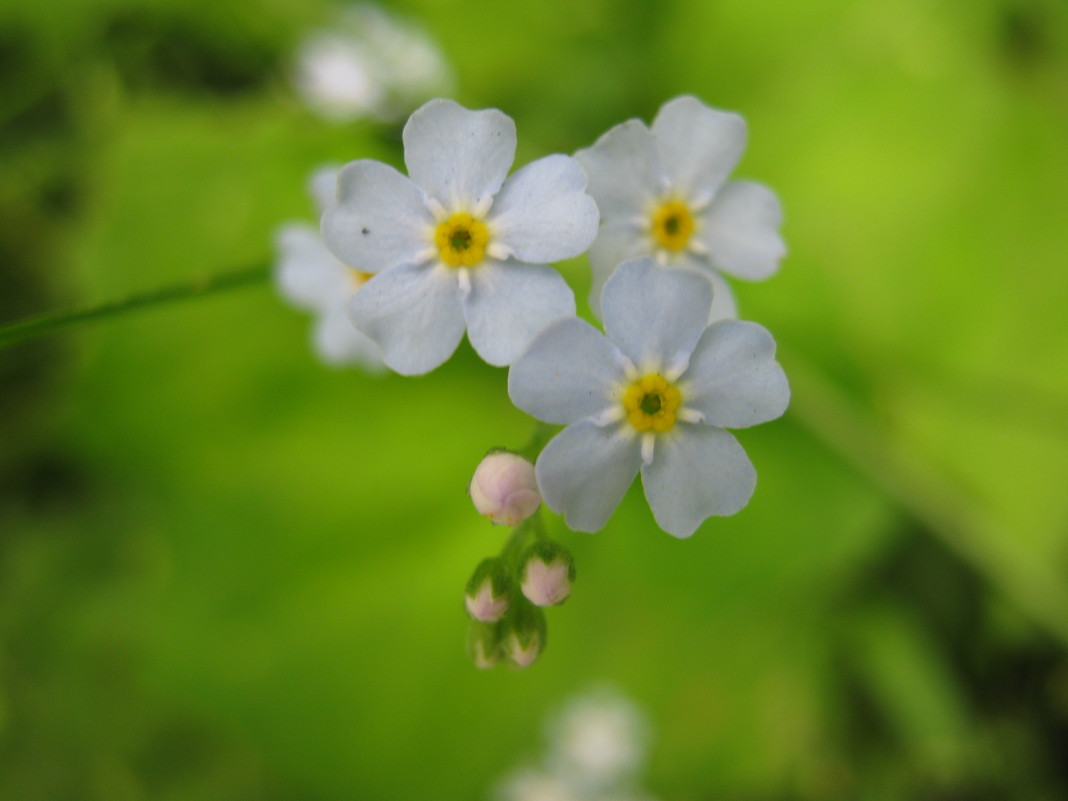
(511, 303)
(698, 145)
(616, 242)
(585, 471)
(624, 171)
(307, 274)
(458, 156)
(654, 314)
(543, 213)
(323, 187)
(568, 373)
(380, 219)
(339, 342)
(741, 231)
(724, 307)
(733, 377)
(699, 472)
(415, 315)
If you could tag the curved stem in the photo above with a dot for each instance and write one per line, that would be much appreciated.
(54, 322)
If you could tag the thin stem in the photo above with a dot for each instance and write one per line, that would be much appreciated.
(541, 435)
(54, 322)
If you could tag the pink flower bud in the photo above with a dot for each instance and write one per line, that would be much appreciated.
(524, 653)
(484, 604)
(547, 584)
(504, 488)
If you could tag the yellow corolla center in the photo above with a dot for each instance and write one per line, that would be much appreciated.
(461, 240)
(672, 225)
(357, 278)
(651, 403)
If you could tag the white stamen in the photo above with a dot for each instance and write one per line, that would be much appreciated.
(435, 208)
(648, 441)
(690, 415)
(613, 414)
(495, 250)
(464, 277)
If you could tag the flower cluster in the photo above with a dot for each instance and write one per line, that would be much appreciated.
(459, 245)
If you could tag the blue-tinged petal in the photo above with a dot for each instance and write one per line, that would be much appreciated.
(458, 156)
(339, 342)
(543, 213)
(415, 315)
(733, 378)
(323, 187)
(307, 274)
(698, 146)
(585, 470)
(724, 306)
(509, 304)
(624, 171)
(699, 472)
(380, 219)
(569, 372)
(616, 242)
(740, 230)
(653, 314)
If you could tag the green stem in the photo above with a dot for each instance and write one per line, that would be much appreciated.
(541, 435)
(54, 322)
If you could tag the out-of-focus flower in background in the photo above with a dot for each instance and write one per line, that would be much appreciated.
(597, 745)
(371, 64)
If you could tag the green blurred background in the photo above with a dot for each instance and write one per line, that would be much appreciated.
(227, 572)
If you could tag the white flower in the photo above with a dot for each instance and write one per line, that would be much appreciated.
(456, 245)
(310, 277)
(661, 193)
(598, 741)
(654, 395)
(531, 784)
(370, 64)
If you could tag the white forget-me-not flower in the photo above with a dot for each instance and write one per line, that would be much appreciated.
(310, 277)
(663, 193)
(655, 394)
(455, 245)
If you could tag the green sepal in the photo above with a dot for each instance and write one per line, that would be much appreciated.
(496, 570)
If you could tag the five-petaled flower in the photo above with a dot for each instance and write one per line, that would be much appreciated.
(456, 245)
(655, 395)
(310, 277)
(662, 193)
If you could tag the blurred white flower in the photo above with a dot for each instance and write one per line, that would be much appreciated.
(597, 749)
(311, 278)
(371, 64)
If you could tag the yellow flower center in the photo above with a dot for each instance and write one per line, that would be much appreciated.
(461, 240)
(651, 403)
(672, 225)
(357, 278)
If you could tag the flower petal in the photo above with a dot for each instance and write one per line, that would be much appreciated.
(615, 243)
(624, 171)
(741, 230)
(569, 372)
(585, 471)
(653, 314)
(509, 304)
(414, 313)
(339, 342)
(724, 306)
(543, 213)
(323, 187)
(733, 377)
(380, 219)
(307, 274)
(698, 145)
(702, 471)
(458, 156)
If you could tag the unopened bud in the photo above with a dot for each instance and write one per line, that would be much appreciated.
(526, 634)
(547, 573)
(504, 488)
(486, 597)
(484, 644)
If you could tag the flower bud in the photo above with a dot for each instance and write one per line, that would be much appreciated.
(484, 644)
(486, 597)
(547, 573)
(504, 488)
(526, 634)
